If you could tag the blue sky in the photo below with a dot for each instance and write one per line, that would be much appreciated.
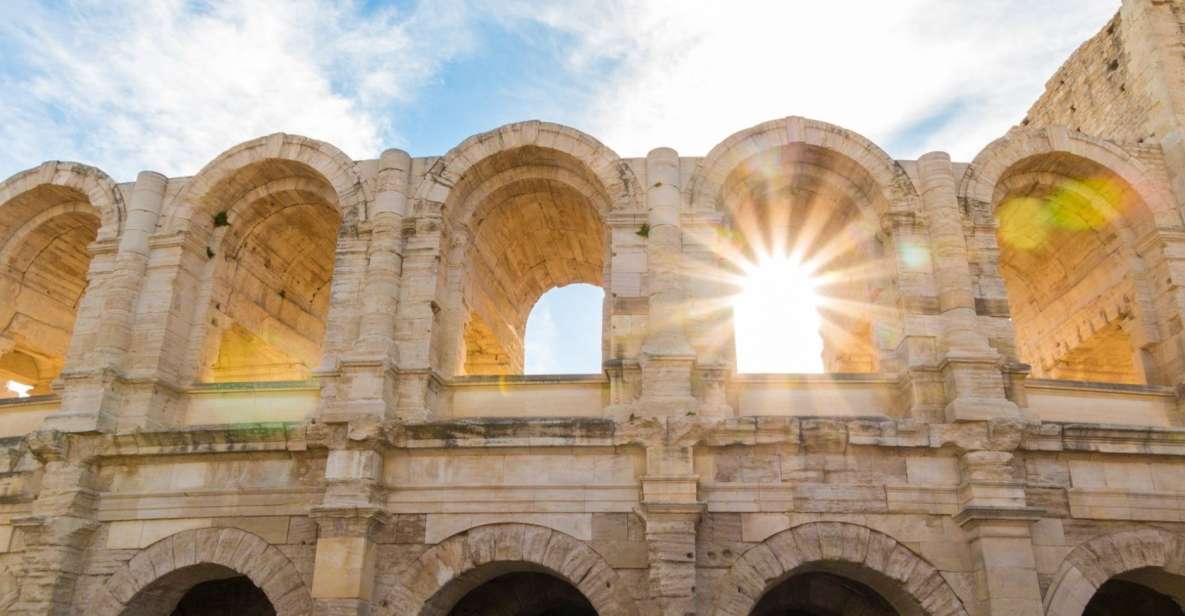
(128, 85)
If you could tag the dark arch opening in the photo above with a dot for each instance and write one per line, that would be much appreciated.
(818, 593)
(235, 596)
(201, 590)
(1118, 597)
(524, 593)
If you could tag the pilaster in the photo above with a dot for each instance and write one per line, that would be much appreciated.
(350, 515)
(58, 530)
(971, 369)
(667, 358)
(365, 382)
(671, 508)
(993, 512)
(417, 315)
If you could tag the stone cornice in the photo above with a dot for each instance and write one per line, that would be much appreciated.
(811, 434)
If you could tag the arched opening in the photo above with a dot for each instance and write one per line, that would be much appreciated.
(44, 263)
(272, 244)
(236, 595)
(822, 594)
(1073, 237)
(814, 269)
(200, 590)
(524, 593)
(1143, 592)
(529, 220)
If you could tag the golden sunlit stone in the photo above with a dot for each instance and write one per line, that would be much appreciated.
(831, 381)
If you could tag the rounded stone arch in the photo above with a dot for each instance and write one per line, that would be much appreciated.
(445, 573)
(886, 566)
(193, 556)
(1053, 199)
(339, 170)
(96, 187)
(822, 193)
(1091, 564)
(707, 184)
(982, 177)
(617, 179)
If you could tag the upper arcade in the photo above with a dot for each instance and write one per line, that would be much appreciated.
(286, 281)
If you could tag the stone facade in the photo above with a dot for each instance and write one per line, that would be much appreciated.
(291, 383)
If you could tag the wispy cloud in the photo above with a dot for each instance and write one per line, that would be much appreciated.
(168, 84)
(687, 74)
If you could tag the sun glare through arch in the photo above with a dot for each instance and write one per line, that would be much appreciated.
(777, 321)
(20, 389)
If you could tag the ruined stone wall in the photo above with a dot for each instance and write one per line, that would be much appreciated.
(1100, 90)
(926, 472)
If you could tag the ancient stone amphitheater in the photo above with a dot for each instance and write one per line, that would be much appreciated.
(292, 383)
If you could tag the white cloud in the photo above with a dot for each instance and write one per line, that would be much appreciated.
(689, 73)
(169, 84)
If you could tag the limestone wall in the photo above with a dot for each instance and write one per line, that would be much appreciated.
(1100, 90)
(292, 382)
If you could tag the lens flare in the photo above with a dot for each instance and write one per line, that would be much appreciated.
(1026, 222)
(20, 389)
(777, 319)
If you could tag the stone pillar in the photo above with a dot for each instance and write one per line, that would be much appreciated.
(90, 400)
(667, 358)
(366, 381)
(709, 328)
(629, 302)
(999, 524)
(350, 515)
(972, 370)
(58, 529)
(672, 510)
(417, 316)
(924, 396)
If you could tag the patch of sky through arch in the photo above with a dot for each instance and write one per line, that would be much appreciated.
(564, 331)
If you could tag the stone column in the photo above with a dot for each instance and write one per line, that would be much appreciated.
(625, 289)
(90, 400)
(972, 370)
(350, 515)
(417, 316)
(999, 525)
(709, 328)
(924, 396)
(667, 358)
(58, 529)
(672, 510)
(366, 374)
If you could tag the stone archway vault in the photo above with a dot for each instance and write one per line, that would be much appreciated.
(534, 548)
(265, 565)
(776, 559)
(1091, 564)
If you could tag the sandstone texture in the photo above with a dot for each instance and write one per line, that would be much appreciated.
(292, 383)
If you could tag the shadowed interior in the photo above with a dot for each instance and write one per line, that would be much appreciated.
(43, 273)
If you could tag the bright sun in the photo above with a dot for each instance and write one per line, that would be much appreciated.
(20, 389)
(777, 319)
